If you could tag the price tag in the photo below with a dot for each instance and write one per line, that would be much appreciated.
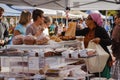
(33, 63)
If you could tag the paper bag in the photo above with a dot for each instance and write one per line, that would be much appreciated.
(98, 62)
(71, 29)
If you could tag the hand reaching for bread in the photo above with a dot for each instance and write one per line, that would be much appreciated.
(38, 33)
(96, 40)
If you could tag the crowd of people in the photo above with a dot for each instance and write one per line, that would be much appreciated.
(91, 28)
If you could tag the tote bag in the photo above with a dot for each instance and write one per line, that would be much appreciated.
(98, 62)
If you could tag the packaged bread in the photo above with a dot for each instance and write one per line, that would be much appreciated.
(29, 40)
(53, 72)
(65, 38)
(42, 39)
(71, 29)
(18, 39)
(48, 52)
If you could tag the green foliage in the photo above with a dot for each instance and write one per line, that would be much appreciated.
(112, 12)
(109, 12)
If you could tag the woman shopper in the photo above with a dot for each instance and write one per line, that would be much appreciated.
(25, 19)
(96, 33)
(116, 48)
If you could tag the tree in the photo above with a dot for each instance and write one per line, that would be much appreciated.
(112, 12)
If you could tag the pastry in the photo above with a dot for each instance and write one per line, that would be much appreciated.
(55, 38)
(48, 52)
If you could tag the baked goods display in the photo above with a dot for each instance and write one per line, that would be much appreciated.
(65, 38)
(29, 40)
(12, 52)
(66, 72)
(48, 52)
(35, 77)
(78, 53)
(58, 51)
(42, 41)
(9, 49)
(67, 53)
(55, 38)
(53, 72)
(18, 39)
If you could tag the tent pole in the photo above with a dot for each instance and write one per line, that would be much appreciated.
(106, 17)
(67, 18)
(66, 11)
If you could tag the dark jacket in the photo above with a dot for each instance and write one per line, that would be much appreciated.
(102, 34)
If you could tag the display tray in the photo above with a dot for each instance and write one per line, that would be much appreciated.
(82, 57)
(69, 42)
(34, 46)
(12, 53)
(5, 54)
(58, 61)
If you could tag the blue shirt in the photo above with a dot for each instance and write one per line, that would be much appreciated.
(21, 29)
(52, 27)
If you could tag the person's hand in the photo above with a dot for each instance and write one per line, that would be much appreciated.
(2, 42)
(96, 40)
(38, 33)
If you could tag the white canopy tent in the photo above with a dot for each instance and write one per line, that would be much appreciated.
(9, 11)
(79, 13)
(50, 12)
(16, 10)
(63, 4)
(73, 4)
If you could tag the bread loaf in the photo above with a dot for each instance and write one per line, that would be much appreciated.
(41, 41)
(29, 40)
(18, 39)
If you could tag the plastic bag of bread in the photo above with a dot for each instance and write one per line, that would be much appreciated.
(18, 39)
(71, 29)
(29, 40)
(42, 39)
